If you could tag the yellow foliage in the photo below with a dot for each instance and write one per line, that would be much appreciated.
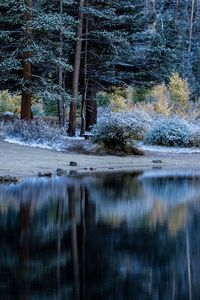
(179, 91)
(117, 103)
(120, 99)
(12, 103)
(160, 95)
(9, 102)
(173, 98)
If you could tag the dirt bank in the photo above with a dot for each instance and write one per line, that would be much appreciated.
(18, 160)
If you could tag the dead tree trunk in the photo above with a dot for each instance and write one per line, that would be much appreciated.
(76, 72)
(27, 68)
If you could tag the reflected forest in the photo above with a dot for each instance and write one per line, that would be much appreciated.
(108, 236)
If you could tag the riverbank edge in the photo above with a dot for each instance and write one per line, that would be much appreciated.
(25, 161)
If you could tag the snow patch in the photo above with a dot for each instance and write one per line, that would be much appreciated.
(33, 144)
(165, 149)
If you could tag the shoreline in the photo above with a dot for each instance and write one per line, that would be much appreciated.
(25, 161)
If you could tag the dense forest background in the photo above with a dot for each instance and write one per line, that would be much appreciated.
(64, 52)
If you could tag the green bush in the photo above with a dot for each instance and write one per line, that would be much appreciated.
(103, 99)
(139, 94)
(50, 108)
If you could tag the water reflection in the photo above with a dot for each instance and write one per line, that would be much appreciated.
(110, 236)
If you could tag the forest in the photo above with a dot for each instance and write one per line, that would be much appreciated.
(127, 70)
(100, 149)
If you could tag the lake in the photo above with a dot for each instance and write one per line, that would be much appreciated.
(114, 236)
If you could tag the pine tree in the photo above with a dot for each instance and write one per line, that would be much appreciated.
(35, 47)
(113, 39)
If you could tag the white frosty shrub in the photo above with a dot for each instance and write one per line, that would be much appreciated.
(171, 131)
(115, 129)
(138, 122)
(34, 132)
(195, 137)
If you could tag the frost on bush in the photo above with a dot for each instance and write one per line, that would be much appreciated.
(34, 132)
(195, 137)
(170, 132)
(115, 130)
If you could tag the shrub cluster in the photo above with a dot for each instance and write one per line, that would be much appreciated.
(39, 132)
(172, 131)
(115, 130)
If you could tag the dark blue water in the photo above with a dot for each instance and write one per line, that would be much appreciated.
(110, 236)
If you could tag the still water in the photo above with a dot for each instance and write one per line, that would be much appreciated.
(102, 237)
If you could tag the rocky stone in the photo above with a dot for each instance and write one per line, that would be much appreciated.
(73, 164)
(45, 174)
(73, 172)
(157, 161)
(7, 117)
(15, 179)
(92, 169)
(60, 172)
(8, 114)
(48, 174)
(9, 179)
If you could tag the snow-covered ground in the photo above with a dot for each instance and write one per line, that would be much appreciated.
(68, 142)
(34, 144)
(164, 149)
(65, 143)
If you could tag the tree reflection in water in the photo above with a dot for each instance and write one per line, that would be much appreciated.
(108, 236)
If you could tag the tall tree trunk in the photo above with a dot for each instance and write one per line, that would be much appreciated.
(83, 105)
(76, 72)
(91, 107)
(191, 26)
(61, 104)
(27, 68)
